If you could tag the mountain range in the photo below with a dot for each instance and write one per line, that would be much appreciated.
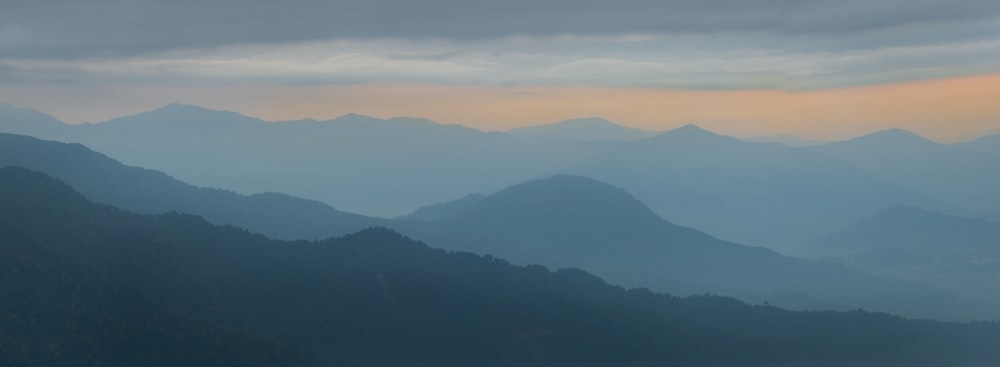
(572, 221)
(762, 194)
(755, 193)
(93, 285)
(562, 221)
(359, 163)
(963, 174)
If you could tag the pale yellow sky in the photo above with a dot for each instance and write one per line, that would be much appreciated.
(944, 109)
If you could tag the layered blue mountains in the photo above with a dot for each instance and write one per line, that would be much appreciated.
(186, 235)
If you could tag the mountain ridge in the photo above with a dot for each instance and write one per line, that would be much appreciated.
(147, 191)
(747, 192)
(948, 251)
(587, 129)
(786, 139)
(376, 298)
(573, 221)
(895, 139)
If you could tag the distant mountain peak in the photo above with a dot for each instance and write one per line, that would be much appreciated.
(579, 129)
(691, 128)
(567, 196)
(6, 108)
(564, 186)
(22, 120)
(181, 107)
(890, 141)
(174, 114)
(353, 115)
(895, 136)
(688, 139)
(691, 133)
(898, 133)
(405, 124)
(355, 119)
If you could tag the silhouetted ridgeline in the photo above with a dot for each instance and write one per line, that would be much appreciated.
(964, 174)
(363, 164)
(583, 129)
(573, 221)
(564, 221)
(752, 193)
(90, 285)
(105, 180)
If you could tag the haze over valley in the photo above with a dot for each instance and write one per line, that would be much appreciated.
(377, 183)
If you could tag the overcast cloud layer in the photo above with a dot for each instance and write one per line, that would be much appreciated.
(709, 44)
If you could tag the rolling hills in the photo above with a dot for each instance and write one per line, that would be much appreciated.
(376, 298)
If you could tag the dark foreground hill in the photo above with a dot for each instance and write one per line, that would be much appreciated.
(90, 285)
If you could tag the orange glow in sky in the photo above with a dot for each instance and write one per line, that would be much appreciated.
(943, 109)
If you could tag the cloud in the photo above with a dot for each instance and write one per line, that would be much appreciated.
(685, 61)
(710, 44)
(122, 28)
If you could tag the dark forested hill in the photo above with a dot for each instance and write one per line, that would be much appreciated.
(105, 180)
(56, 311)
(90, 285)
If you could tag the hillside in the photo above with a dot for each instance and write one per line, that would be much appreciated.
(106, 180)
(573, 221)
(377, 299)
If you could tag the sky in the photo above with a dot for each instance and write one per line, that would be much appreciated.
(819, 69)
